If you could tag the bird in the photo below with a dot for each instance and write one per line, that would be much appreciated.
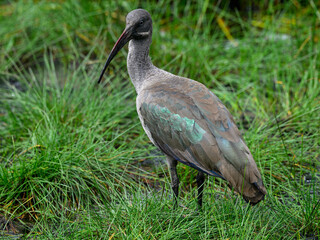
(185, 120)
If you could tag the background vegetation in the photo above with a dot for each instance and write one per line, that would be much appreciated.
(74, 160)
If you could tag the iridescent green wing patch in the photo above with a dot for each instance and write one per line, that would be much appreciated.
(162, 121)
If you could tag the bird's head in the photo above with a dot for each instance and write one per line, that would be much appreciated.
(138, 27)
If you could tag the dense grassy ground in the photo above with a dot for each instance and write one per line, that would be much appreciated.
(72, 152)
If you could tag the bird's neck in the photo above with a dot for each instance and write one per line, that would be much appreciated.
(138, 62)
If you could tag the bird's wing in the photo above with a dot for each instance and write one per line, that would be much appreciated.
(190, 124)
(174, 125)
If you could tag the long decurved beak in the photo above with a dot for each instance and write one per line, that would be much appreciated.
(123, 39)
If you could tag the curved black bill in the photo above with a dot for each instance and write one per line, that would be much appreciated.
(123, 39)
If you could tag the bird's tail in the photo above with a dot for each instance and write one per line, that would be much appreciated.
(247, 182)
(256, 194)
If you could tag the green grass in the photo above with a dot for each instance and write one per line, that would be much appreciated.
(71, 151)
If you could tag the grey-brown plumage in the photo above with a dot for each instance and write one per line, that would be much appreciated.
(185, 120)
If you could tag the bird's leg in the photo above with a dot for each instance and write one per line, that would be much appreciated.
(200, 183)
(172, 164)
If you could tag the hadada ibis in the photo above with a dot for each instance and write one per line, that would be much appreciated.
(185, 120)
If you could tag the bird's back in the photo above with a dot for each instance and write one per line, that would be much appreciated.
(189, 123)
